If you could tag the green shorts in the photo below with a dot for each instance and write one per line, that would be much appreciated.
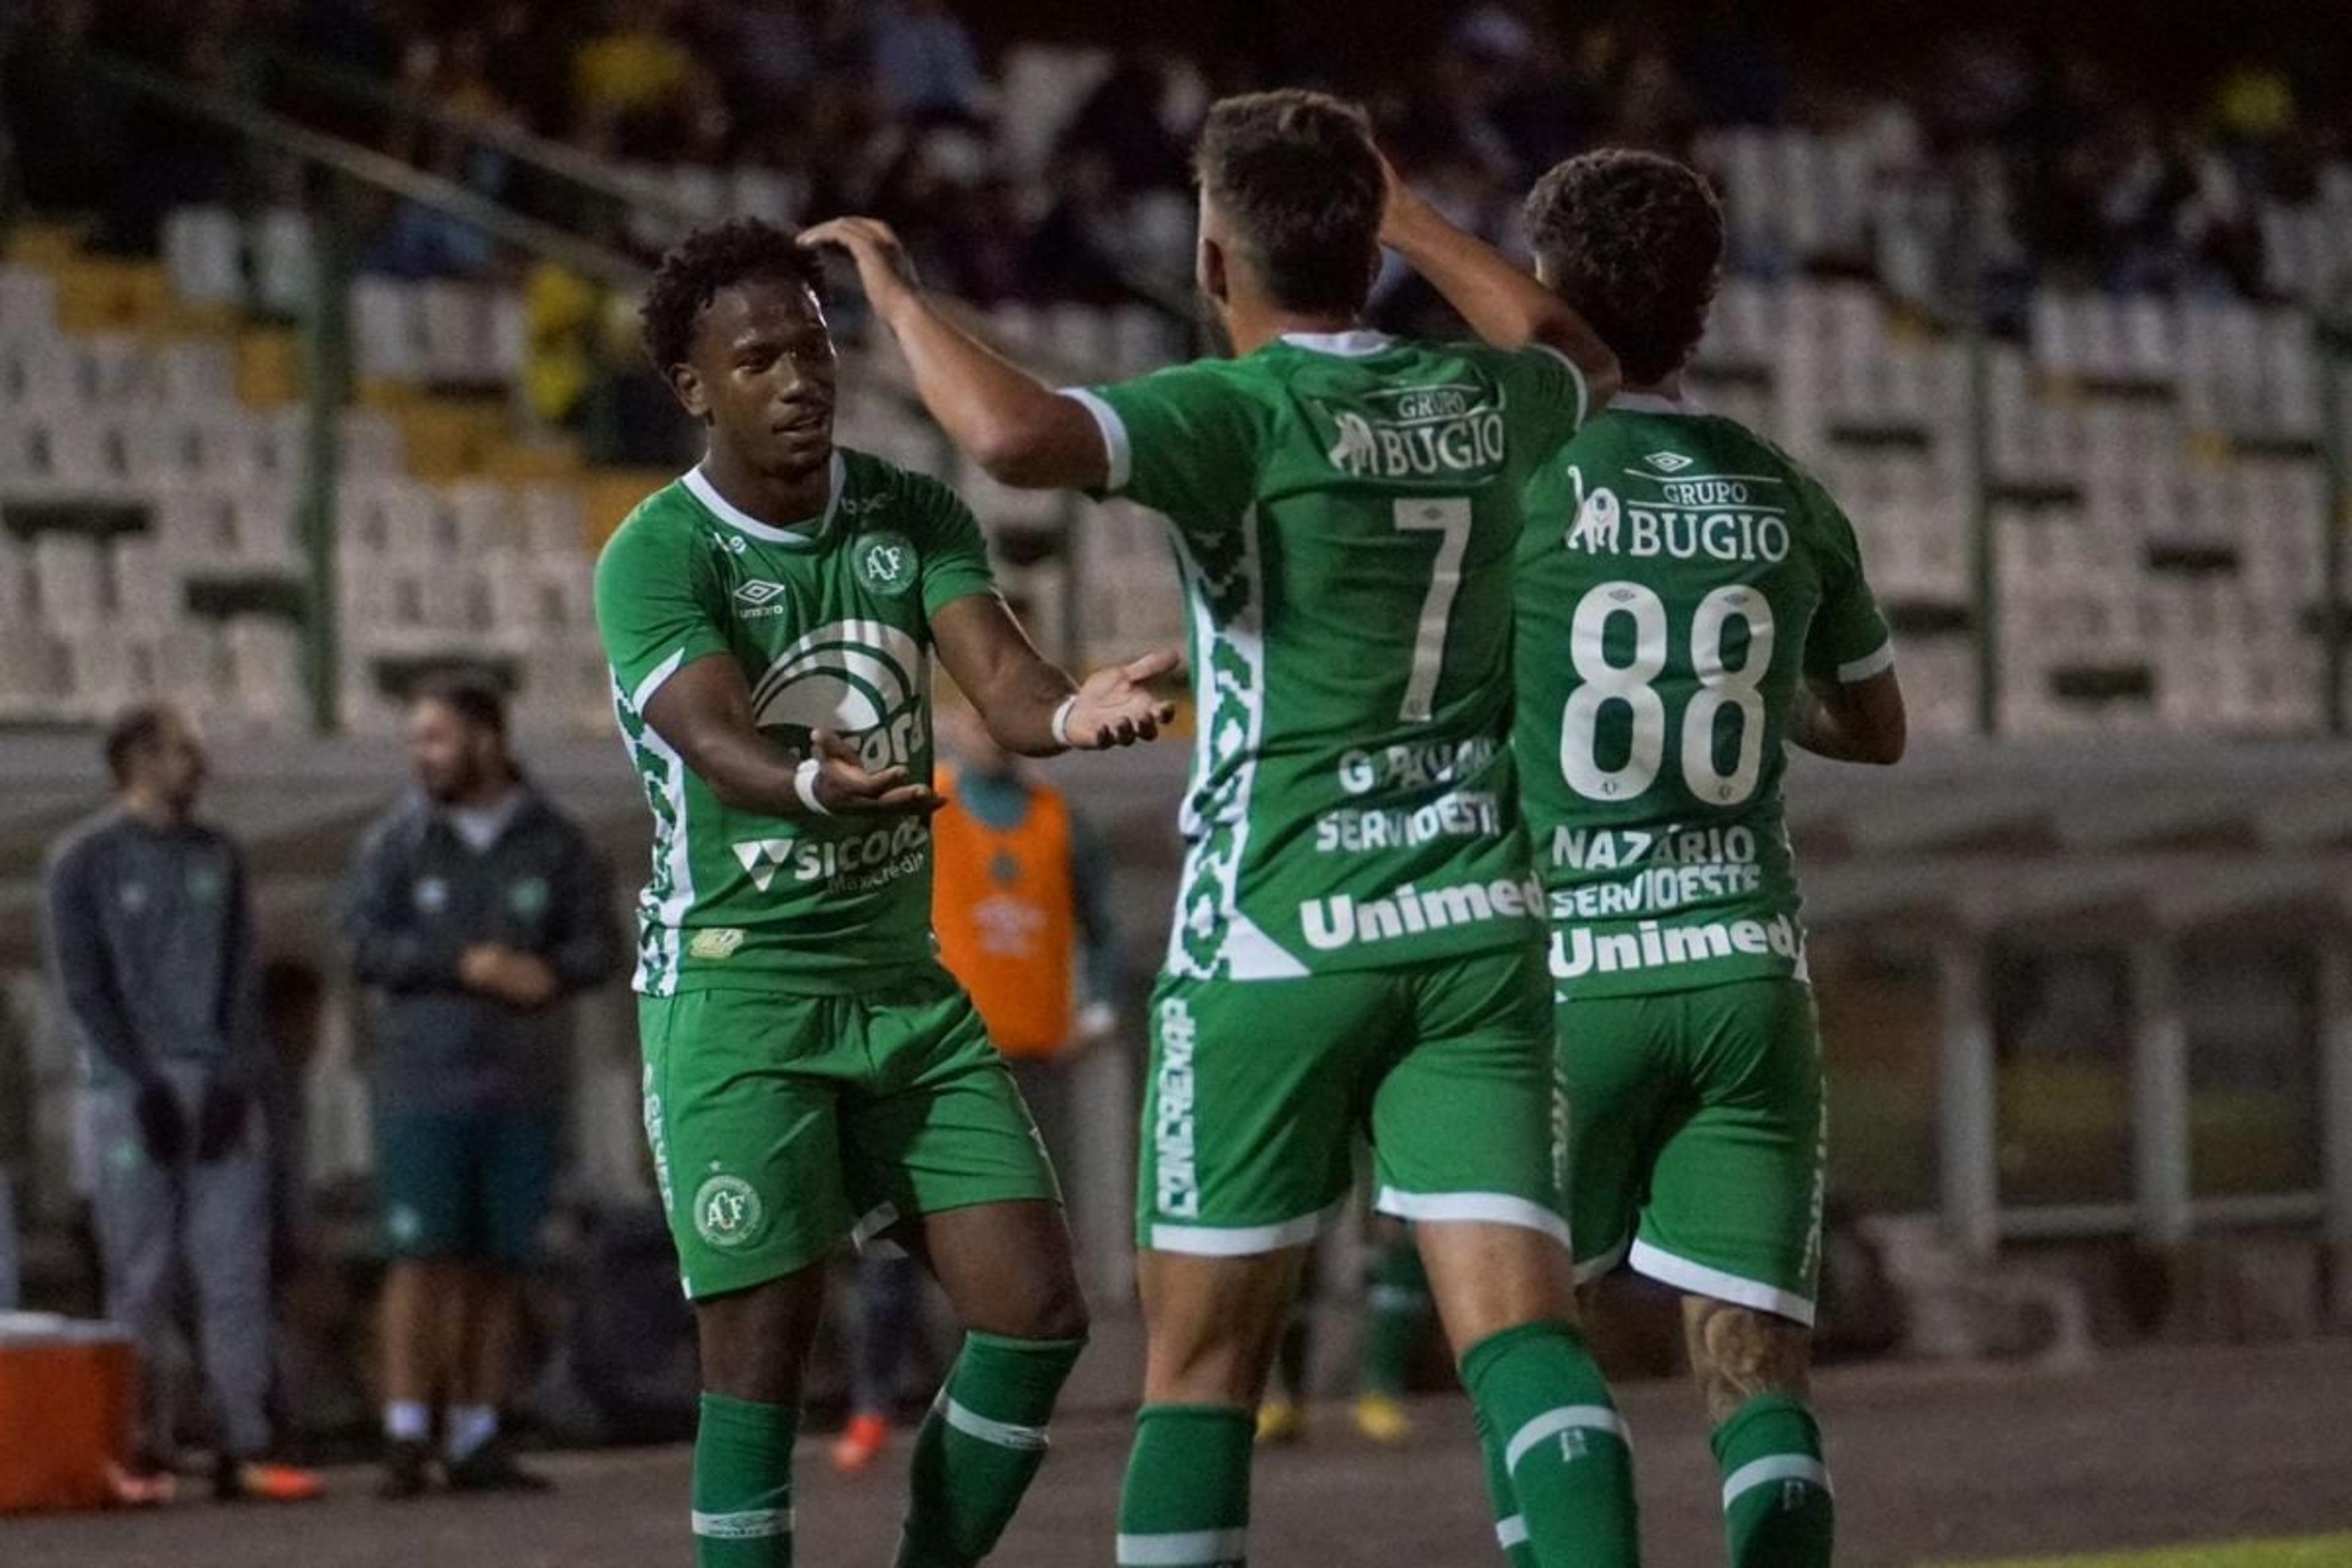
(472, 1185)
(1696, 1140)
(1258, 1088)
(783, 1122)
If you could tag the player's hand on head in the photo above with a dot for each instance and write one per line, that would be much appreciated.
(1402, 198)
(846, 786)
(882, 262)
(1117, 707)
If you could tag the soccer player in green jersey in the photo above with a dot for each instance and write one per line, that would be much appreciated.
(1356, 942)
(810, 1071)
(1690, 602)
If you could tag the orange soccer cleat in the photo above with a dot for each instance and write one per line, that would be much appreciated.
(860, 1443)
(252, 1480)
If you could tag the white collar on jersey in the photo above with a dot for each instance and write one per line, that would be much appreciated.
(1651, 403)
(1353, 344)
(734, 516)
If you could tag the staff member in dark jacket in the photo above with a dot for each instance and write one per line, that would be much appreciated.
(477, 908)
(152, 941)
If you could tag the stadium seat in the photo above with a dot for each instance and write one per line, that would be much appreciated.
(204, 252)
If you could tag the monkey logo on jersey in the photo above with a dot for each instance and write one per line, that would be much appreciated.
(861, 679)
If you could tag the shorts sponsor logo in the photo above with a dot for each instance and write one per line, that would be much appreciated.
(1578, 952)
(717, 944)
(1176, 1166)
(657, 1140)
(728, 1210)
(1342, 922)
(887, 563)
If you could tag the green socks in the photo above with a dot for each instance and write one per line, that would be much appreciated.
(1565, 1454)
(1510, 1526)
(1186, 1501)
(743, 1484)
(1399, 1303)
(981, 1446)
(1776, 1490)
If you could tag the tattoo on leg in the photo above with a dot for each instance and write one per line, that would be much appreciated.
(1738, 1352)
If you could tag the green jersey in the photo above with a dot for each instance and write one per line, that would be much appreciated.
(830, 626)
(1344, 509)
(1679, 578)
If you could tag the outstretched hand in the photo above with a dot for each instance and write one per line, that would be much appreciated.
(885, 271)
(1113, 708)
(846, 788)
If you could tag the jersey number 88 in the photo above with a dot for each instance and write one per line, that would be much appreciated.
(1631, 683)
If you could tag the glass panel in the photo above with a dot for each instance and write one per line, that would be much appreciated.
(2253, 1014)
(2062, 1040)
(1879, 1031)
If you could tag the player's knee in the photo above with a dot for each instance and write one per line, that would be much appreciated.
(1058, 1311)
(1738, 1354)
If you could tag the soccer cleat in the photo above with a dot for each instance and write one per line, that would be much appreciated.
(254, 1481)
(1381, 1418)
(142, 1484)
(860, 1443)
(1281, 1421)
(492, 1467)
(404, 1475)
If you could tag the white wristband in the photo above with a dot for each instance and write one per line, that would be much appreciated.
(804, 785)
(1062, 720)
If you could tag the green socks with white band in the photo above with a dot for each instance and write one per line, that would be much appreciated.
(1565, 1455)
(743, 1484)
(1777, 1508)
(1186, 1501)
(981, 1446)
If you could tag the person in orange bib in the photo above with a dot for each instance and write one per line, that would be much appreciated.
(1021, 905)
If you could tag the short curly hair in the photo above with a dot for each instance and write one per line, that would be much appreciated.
(1297, 173)
(710, 260)
(1635, 241)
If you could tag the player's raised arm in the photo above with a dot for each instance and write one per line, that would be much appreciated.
(1506, 307)
(1031, 705)
(704, 713)
(1861, 723)
(1010, 423)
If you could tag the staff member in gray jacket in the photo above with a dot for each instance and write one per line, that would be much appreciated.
(477, 909)
(152, 941)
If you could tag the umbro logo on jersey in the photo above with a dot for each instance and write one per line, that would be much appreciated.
(760, 597)
(763, 857)
(1667, 462)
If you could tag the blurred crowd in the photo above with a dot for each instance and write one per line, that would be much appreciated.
(897, 109)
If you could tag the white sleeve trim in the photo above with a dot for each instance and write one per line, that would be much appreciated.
(1117, 454)
(1583, 387)
(1855, 671)
(654, 680)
